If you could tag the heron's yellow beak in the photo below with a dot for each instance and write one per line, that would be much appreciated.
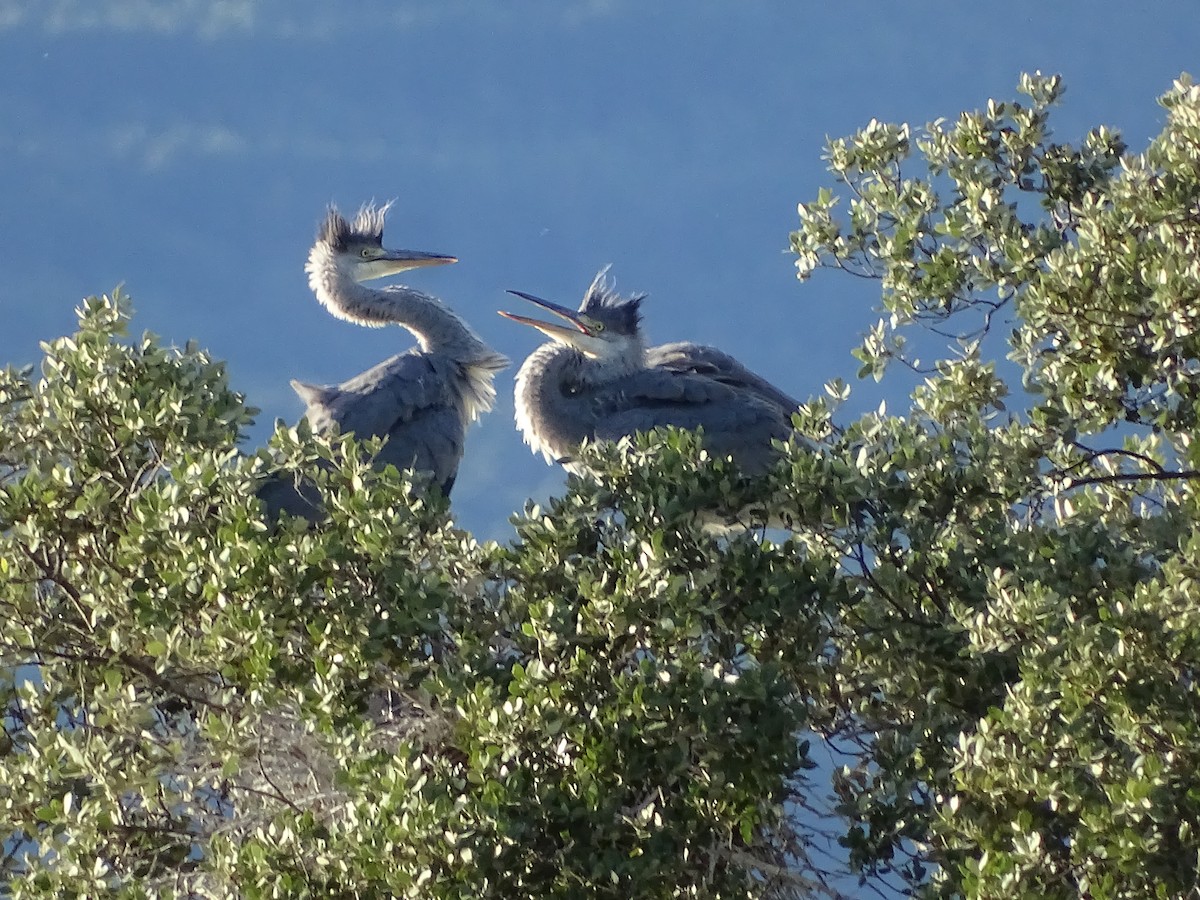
(581, 336)
(558, 332)
(561, 311)
(403, 260)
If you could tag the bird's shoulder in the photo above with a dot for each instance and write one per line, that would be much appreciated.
(377, 400)
(649, 397)
(411, 368)
(684, 356)
(709, 362)
(648, 386)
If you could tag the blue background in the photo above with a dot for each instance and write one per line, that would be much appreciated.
(188, 149)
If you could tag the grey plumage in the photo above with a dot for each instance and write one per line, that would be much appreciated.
(597, 380)
(422, 400)
(709, 362)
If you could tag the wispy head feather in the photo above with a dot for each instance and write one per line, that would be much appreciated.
(622, 314)
(367, 227)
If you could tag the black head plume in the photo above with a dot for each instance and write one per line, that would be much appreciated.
(602, 302)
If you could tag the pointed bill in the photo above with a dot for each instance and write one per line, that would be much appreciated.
(548, 328)
(403, 260)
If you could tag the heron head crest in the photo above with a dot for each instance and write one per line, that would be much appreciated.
(602, 303)
(367, 227)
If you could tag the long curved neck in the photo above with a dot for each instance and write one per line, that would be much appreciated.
(435, 327)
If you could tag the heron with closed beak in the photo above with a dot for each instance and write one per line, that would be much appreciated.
(423, 400)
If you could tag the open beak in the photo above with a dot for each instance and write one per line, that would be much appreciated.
(558, 332)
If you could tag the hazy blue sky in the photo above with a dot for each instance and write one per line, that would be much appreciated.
(188, 148)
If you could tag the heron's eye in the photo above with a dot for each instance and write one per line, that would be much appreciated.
(597, 326)
(365, 252)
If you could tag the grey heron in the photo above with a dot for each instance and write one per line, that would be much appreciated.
(597, 380)
(422, 400)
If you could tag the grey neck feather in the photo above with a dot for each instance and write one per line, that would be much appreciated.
(436, 327)
(550, 417)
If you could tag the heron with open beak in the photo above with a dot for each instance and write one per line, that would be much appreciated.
(597, 380)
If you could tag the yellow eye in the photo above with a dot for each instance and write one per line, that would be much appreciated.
(597, 326)
(365, 252)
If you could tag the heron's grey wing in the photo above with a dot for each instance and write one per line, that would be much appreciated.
(735, 423)
(292, 494)
(411, 399)
(713, 363)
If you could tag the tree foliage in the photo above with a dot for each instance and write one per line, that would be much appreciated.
(1019, 662)
(986, 609)
(202, 702)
